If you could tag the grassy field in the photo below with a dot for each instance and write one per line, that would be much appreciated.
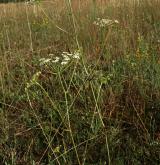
(80, 83)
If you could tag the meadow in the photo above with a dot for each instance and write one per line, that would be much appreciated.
(80, 82)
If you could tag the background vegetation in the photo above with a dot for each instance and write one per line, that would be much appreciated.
(6, 1)
(103, 108)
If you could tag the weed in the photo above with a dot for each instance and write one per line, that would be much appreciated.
(79, 84)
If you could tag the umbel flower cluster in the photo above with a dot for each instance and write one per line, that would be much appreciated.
(64, 59)
(31, 2)
(104, 22)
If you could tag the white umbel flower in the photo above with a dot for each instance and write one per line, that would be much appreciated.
(64, 62)
(116, 21)
(44, 61)
(76, 55)
(66, 58)
(104, 22)
(56, 60)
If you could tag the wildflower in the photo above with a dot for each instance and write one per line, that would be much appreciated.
(76, 55)
(67, 53)
(44, 61)
(64, 62)
(66, 58)
(116, 21)
(56, 60)
(104, 22)
(31, 2)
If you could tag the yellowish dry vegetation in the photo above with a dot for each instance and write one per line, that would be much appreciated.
(75, 92)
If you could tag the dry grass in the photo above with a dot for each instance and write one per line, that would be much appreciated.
(101, 109)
